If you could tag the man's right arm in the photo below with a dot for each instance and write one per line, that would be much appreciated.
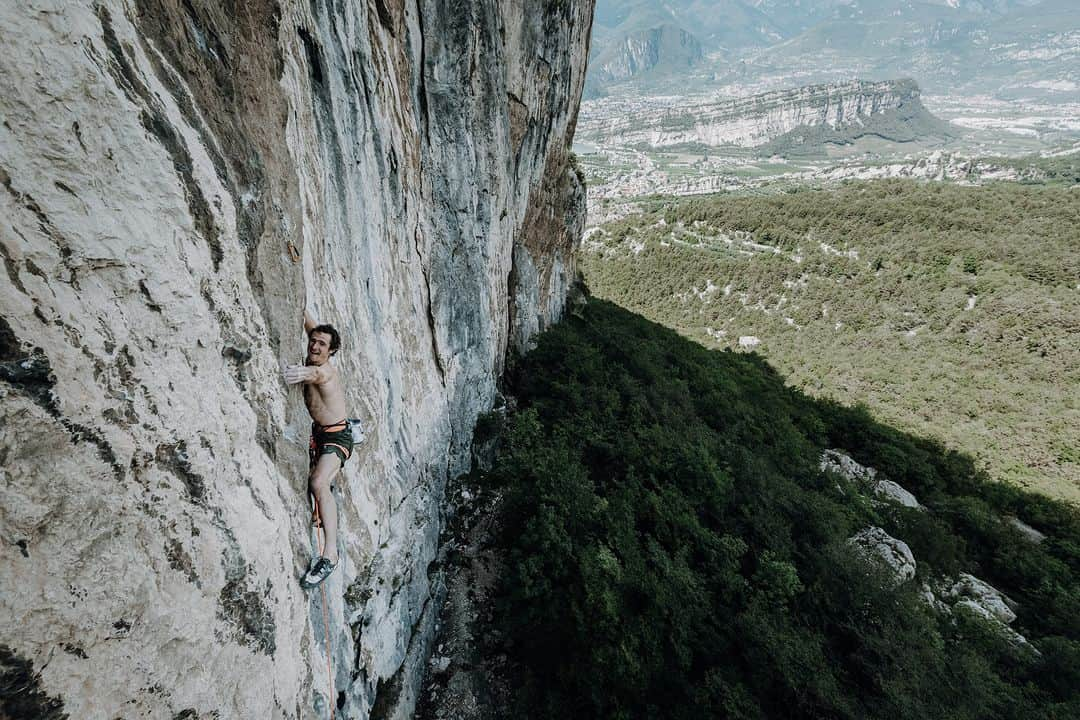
(307, 374)
(309, 324)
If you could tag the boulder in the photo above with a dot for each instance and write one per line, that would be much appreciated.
(1026, 531)
(893, 492)
(980, 597)
(968, 593)
(876, 545)
(841, 463)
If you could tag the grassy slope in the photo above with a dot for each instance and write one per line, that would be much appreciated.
(675, 552)
(886, 323)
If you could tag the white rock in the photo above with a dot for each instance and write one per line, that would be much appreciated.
(1026, 530)
(748, 341)
(981, 599)
(894, 492)
(841, 463)
(873, 543)
(974, 593)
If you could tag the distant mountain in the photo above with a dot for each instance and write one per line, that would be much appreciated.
(898, 26)
(873, 28)
(1049, 16)
(666, 47)
(946, 44)
(717, 23)
(633, 37)
(798, 121)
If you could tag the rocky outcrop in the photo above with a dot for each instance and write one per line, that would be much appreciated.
(967, 593)
(983, 599)
(180, 178)
(964, 593)
(877, 546)
(780, 120)
(839, 462)
(885, 490)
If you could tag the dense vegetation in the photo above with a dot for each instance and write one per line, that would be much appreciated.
(1064, 169)
(950, 311)
(674, 550)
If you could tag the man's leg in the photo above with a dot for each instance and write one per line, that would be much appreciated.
(319, 483)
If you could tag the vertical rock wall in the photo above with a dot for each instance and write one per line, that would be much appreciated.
(180, 178)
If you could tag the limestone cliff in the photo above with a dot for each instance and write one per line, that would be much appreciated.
(780, 119)
(180, 178)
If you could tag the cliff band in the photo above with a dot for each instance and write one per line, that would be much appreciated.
(891, 109)
(180, 178)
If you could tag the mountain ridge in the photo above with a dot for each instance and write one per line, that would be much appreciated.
(836, 112)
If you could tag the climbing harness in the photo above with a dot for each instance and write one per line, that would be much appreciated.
(317, 522)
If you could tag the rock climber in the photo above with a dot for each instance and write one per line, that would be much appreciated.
(331, 440)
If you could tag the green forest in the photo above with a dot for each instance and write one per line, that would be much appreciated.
(950, 311)
(675, 549)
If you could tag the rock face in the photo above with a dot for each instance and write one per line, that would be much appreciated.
(781, 119)
(180, 178)
(469, 679)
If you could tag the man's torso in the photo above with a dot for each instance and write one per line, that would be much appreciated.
(326, 402)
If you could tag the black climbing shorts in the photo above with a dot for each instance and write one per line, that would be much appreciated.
(335, 439)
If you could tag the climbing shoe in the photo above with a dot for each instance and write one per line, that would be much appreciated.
(319, 571)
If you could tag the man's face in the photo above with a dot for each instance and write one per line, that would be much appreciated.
(318, 348)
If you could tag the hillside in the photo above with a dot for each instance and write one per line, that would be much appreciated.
(677, 544)
(951, 312)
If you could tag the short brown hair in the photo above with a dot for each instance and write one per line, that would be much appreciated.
(335, 338)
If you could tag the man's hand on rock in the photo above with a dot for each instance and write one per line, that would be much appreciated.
(296, 374)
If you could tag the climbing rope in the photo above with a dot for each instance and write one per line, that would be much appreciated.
(317, 521)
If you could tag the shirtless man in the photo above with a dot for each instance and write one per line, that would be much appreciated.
(331, 441)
